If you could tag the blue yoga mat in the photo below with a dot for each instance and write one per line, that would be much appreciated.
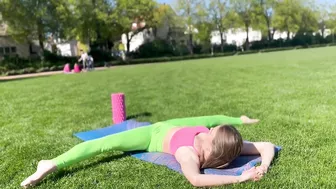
(237, 167)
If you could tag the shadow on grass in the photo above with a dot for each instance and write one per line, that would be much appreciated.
(144, 114)
(60, 174)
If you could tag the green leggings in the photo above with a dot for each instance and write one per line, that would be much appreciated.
(149, 138)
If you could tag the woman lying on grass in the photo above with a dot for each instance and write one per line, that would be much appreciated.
(196, 143)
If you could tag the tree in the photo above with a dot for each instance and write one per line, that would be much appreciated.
(308, 20)
(287, 16)
(323, 16)
(265, 8)
(203, 23)
(331, 22)
(128, 12)
(163, 15)
(188, 10)
(219, 10)
(90, 21)
(245, 9)
(41, 18)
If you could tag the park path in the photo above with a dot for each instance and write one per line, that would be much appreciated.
(23, 76)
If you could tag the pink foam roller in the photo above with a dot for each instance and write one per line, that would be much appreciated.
(66, 68)
(118, 108)
(76, 68)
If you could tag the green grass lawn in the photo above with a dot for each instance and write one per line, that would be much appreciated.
(292, 92)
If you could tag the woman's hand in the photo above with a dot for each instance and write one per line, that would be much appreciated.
(262, 169)
(247, 120)
(251, 174)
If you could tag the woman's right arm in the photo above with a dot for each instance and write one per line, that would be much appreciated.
(190, 164)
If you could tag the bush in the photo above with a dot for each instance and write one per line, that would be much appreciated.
(15, 62)
(44, 69)
(330, 38)
(99, 55)
(277, 49)
(318, 45)
(3, 70)
(181, 50)
(247, 52)
(197, 49)
(226, 48)
(54, 59)
(159, 51)
(53, 68)
(13, 72)
(29, 70)
(156, 48)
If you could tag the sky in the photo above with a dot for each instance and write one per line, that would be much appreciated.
(166, 1)
(172, 1)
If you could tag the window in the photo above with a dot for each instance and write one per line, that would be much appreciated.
(13, 49)
(7, 50)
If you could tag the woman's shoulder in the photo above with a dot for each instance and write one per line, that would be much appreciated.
(185, 153)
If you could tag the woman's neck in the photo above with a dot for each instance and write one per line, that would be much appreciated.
(198, 146)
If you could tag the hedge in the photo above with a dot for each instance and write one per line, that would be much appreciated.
(165, 59)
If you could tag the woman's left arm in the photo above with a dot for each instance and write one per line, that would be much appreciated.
(265, 149)
(211, 121)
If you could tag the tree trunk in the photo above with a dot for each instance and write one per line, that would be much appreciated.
(247, 37)
(273, 32)
(268, 24)
(40, 34)
(269, 32)
(288, 33)
(155, 32)
(191, 43)
(222, 40)
(128, 43)
(97, 28)
(169, 34)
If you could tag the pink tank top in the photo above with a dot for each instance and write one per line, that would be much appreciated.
(185, 137)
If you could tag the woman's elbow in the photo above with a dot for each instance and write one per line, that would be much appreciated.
(195, 181)
(268, 146)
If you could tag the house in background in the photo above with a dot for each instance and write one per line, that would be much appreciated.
(68, 48)
(238, 36)
(8, 46)
(235, 36)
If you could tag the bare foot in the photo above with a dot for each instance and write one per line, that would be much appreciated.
(44, 167)
(247, 120)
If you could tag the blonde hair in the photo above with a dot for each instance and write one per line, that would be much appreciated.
(226, 146)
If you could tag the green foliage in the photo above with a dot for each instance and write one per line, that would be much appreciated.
(190, 12)
(163, 16)
(101, 55)
(43, 17)
(264, 9)
(91, 20)
(244, 11)
(287, 15)
(57, 59)
(156, 48)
